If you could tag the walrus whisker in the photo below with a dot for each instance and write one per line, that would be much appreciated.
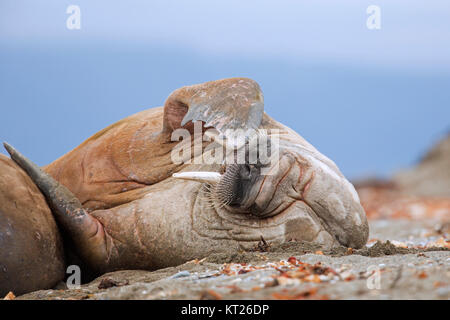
(207, 195)
(211, 197)
(211, 179)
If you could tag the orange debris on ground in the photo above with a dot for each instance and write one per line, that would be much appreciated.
(389, 203)
(9, 296)
(305, 294)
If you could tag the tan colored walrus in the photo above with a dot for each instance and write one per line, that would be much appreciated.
(122, 208)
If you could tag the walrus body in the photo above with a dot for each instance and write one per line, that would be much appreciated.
(122, 208)
(31, 253)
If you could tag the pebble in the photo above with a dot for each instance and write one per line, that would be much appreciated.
(181, 274)
(444, 291)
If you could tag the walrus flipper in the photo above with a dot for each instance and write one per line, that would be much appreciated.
(93, 244)
(227, 104)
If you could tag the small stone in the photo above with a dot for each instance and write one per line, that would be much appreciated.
(181, 274)
(444, 291)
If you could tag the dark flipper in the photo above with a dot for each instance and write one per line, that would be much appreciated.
(93, 244)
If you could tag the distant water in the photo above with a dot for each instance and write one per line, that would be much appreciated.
(369, 121)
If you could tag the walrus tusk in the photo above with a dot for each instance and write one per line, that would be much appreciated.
(200, 176)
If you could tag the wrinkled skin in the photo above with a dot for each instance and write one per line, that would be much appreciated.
(31, 253)
(133, 214)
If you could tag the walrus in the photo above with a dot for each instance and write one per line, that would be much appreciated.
(31, 252)
(123, 203)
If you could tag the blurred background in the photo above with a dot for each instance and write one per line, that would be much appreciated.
(374, 101)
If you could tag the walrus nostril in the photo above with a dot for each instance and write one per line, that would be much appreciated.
(246, 172)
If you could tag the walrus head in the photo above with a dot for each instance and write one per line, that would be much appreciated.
(300, 185)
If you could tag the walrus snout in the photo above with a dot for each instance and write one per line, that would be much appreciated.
(234, 188)
(296, 177)
(237, 187)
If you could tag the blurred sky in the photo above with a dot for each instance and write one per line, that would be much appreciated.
(372, 100)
